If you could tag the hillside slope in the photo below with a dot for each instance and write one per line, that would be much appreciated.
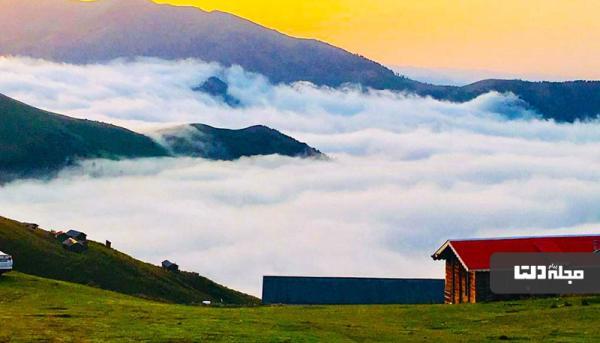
(561, 101)
(36, 309)
(35, 142)
(198, 140)
(39, 253)
(107, 29)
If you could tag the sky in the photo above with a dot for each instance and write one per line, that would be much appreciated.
(405, 174)
(556, 39)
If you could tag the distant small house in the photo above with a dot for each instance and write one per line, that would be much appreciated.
(108, 244)
(73, 245)
(170, 266)
(61, 236)
(468, 261)
(76, 235)
(31, 226)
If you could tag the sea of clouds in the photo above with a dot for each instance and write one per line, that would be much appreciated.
(406, 173)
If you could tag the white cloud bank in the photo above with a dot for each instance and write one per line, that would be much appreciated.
(407, 173)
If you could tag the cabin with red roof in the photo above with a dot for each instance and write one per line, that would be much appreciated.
(468, 261)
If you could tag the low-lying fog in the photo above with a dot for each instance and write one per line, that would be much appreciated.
(406, 174)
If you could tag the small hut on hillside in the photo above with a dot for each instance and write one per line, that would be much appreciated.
(170, 266)
(31, 226)
(74, 246)
(77, 235)
(61, 236)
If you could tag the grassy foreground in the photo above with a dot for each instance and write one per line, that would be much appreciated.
(33, 308)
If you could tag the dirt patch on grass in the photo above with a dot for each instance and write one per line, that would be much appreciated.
(52, 315)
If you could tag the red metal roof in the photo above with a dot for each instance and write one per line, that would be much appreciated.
(475, 254)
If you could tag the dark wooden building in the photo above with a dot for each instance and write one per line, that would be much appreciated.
(74, 246)
(31, 226)
(170, 266)
(77, 235)
(61, 236)
(468, 261)
(350, 291)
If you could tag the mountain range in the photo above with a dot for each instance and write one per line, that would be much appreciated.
(37, 143)
(103, 30)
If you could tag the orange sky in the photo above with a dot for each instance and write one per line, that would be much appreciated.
(547, 37)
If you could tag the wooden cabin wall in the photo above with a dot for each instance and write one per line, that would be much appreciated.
(460, 282)
(468, 287)
(484, 291)
(449, 287)
(461, 286)
(473, 287)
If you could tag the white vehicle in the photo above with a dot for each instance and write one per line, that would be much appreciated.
(6, 263)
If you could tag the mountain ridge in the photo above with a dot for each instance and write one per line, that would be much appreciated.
(104, 30)
(35, 143)
(94, 32)
(201, 140)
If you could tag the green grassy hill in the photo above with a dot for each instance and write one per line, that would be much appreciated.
(36, 309)
(39, 253)
(35, 142)
(199, 140)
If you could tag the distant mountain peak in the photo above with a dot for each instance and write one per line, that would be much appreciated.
(216, 87)
(201, 140)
